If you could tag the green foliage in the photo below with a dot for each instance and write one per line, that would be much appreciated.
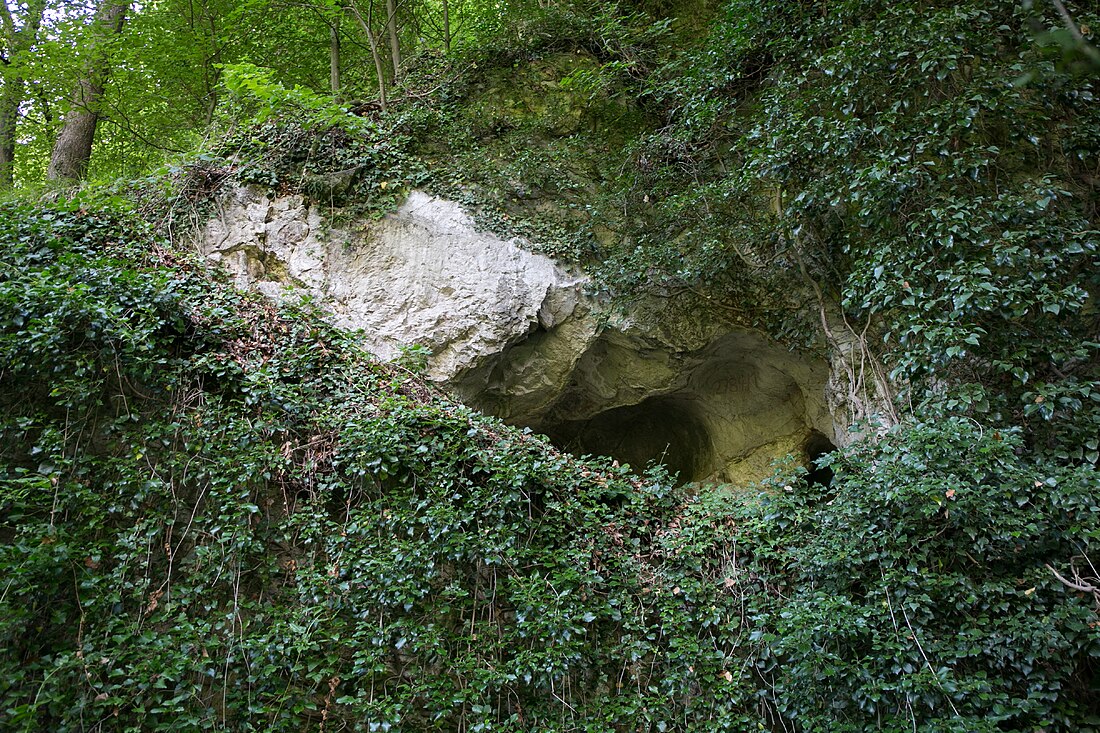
(219, 513)
(414, 358)
(927, 168)
(258, 97)
(921, 593)
(289, 141)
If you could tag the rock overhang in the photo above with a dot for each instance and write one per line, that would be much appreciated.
(514, 333)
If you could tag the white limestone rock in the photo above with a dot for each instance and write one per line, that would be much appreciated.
(423, 275)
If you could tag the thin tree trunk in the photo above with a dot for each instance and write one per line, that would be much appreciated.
(212, 72)
(73, 149)
(10, 100)
(334, 55)
(395, 44)
(446, 28)
(211, 108)
(374, 52)
(19, 43)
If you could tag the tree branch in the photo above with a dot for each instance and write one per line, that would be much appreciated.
(1079, 586)
(1071, 26)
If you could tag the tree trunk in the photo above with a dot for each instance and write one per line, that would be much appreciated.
(334, 55)
(10, 100)
(374, 52)
(446, 28)
(73, 149)
(19, 43)
(395, 44)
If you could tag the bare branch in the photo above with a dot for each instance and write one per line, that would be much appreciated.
(1071, 26)
(1081, 585)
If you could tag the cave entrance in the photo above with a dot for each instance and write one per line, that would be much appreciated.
(722, 412)
(665, 429)
(817, 446)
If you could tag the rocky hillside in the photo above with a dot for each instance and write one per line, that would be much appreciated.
(270, 451)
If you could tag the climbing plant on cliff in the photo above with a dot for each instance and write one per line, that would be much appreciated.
(932, 169)
(217, 512)
(221, 513)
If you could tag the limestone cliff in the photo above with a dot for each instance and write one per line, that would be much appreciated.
(517, 335)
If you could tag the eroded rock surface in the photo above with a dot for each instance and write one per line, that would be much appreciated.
(421, 276)
(717, 404)
(512, 333)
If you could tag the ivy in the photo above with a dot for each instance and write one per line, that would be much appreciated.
(217, 512)
(922, 592)
(220, 513)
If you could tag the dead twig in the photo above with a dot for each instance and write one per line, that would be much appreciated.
(1078, 583)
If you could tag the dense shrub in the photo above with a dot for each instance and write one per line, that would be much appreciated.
(216, 512)
(219, 513)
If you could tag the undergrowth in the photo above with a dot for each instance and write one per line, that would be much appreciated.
(219, 513)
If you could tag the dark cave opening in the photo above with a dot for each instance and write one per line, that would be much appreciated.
(817, 446)
(663, 429)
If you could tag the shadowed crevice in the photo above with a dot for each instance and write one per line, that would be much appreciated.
(665, 429)
(817, 446)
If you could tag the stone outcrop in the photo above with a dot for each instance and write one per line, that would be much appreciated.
(421, 276)
(513, 333)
